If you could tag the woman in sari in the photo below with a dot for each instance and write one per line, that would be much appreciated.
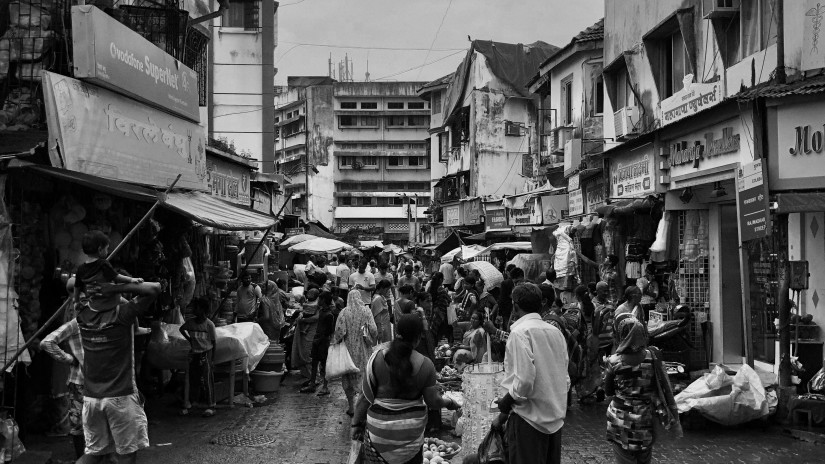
(474, 345)
(355, 327)
(304, 334)
(399, 386)
(381, 310)
(640, 388)
(441, 301)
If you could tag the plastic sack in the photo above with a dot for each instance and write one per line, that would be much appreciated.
(451, 315)
(480, 386)
(711, 382)
(168, 349)
(339, 362)
(11, 447)
(817, 382)
(745, 402)
(491, 449)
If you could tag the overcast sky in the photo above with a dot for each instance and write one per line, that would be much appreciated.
(361, 28)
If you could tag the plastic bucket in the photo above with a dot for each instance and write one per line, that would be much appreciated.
(266, 381)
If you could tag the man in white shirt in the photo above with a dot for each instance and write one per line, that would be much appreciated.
(536, 380)
(363, 281)
(448, 271)
(342, 274)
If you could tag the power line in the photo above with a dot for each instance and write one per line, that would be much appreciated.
(364, 47)
(290, 4)
(426, 57)
(421, 66)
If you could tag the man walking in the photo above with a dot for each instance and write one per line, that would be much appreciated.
(248, 299)
(363, 281)
(113, 416)
(448, 270)
(536, 380)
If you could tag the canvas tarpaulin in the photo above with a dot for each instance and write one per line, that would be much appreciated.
(214, 212)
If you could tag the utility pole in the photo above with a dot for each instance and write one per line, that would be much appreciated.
(780, 41)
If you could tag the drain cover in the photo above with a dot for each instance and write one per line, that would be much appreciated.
(242, 439)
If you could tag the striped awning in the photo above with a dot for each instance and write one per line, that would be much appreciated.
(210, 211)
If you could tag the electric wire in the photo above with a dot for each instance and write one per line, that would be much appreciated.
(432, 44)
(421, 66)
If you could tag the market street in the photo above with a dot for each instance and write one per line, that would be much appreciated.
(305, 429)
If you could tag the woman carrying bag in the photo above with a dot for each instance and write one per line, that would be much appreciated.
(356, 329)
(636, 379)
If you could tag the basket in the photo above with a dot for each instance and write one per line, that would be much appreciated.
(266, 381)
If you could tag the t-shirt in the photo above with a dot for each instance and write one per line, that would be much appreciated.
(366, 280)
(248, 299)
(90, 279)
(325, 327)
(412, 281)
(108, 348)
(379, 277)
(201, 335)
(343, 272)
(449, 273)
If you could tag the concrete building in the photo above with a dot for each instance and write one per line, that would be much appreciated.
(382, 167)
(241, 78)
(303, 147)
(486, 132)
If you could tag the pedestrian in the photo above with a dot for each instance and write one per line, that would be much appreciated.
(97, 273)
(355, 327)
(590, 384)
(69, 333)
(441, 301)
(473, 344)
(468, 305)
(342, 274)
(380, 307)
(248, 299)
(536, 381)
(113, 417)
(363, 281)
(603, 319)
(458, 287)
(409, 279)
(305, 328)
(504, 306)
(637, 380)
(448, 271)
(400, 385)
(405, 303)
(271, 312)
(424, 306)
(632, 296)
(320, 344)
(199, 331)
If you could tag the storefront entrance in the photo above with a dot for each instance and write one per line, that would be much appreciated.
(731, 286)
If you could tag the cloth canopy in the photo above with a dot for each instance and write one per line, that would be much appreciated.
(297, 239)
(367, 244)
(492, 277)
(320, 245)
(211, 211)
(453, 240)
(467, 252)
(318, 231)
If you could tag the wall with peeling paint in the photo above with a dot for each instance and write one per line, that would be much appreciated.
(319, 145)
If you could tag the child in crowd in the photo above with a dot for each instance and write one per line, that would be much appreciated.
(96, 275)
(320, 343)
(200, 333)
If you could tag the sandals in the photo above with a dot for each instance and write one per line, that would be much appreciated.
(208, 413)
(323, 392)
(308, 389)
(183, 412)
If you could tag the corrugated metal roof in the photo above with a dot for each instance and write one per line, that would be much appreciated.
(811, 86)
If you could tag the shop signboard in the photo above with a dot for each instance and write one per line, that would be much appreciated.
(752, 199)
(576, 200)
(227, 181)
(797, 146)
(631, 175)
(440, 234)
(495, 219)
(471, 212)
(594, 195)
(293, 231)
(530, 214)
(452, 216)
(718, 146)
(693, 98)
(111, 55)
(262, 201)
(102, 133)
(554, 208)
(813, 39)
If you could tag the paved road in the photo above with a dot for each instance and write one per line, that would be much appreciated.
(305, 429)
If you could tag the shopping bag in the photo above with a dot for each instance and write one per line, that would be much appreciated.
(451, 315)
(339, 362)
(491, 449)
(355, 456)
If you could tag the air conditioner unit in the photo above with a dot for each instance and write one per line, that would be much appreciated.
(626, 121)
(715, 9)
(572, 156)
(561, 135)
(512, 129)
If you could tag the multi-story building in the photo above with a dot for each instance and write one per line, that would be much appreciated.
(485, 135)
(382, 165)
(241, 78)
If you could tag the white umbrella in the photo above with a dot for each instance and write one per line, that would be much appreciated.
(492, 277)
(320, 245)
(467, 251)
(367, 244)
(297, 239)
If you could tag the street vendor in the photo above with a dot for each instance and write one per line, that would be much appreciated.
(248, 299)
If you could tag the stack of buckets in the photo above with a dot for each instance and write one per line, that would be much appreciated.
(266, 378)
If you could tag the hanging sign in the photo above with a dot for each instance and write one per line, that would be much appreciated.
(693, 98)
(594, 195)
(227, 181)
(752, 200)
(631, 176)
(554, 208)
(495, 219)
(576, 202)
(812, 16)
(104, 134)
(529, 215)
(110, 54)
(452, 216)
(471, 212)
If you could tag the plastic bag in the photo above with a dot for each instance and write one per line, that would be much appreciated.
(817, 382)
(491, 449)
(355, 452)
(339, 362)
(11, 447)
(451, 315)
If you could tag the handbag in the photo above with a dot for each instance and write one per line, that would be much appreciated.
(491, 450)
(339, 362)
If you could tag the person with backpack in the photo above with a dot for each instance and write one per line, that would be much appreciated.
(570, 329)
(591, 381)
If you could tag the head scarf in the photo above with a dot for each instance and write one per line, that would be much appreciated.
(633, 336)
(354, 301)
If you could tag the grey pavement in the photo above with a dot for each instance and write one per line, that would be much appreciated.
(305, 429)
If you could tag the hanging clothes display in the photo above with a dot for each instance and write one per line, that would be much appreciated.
(695, 242)
(658, 250)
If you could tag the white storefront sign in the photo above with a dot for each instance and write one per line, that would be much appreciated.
(631, 175)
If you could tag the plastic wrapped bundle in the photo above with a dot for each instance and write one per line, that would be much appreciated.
(480, 385)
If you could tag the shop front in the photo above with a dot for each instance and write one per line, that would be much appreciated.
(700, 164)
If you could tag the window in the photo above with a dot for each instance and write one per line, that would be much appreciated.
(460, 128)
(347, 160)
(392, 186)
(435, 103)
(242, 13)
(624, 90)
(348, 105)
(348, 146)
(369, 121)
(370, 187)
(370, 161)
(369, 105)
(369, 146)
(367, 201)
(395, 161)
(598, 95)
(417, 121)
(415, 105)
(443, 147)
(395, 201)
(567, 100)
(345, 201)
(418, 146)
(277, 119)
(346, 121)
(396, 121)
(348, 186)
(758, 26)
(396, 146)
(395, 105)
(673, 64)
(419, 186)
(416, 161)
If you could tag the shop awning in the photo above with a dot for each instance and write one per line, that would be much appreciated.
(313, 228)
(490, 234)
(452, 241)
(113, 187)
(214, 212)
(803, 202)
